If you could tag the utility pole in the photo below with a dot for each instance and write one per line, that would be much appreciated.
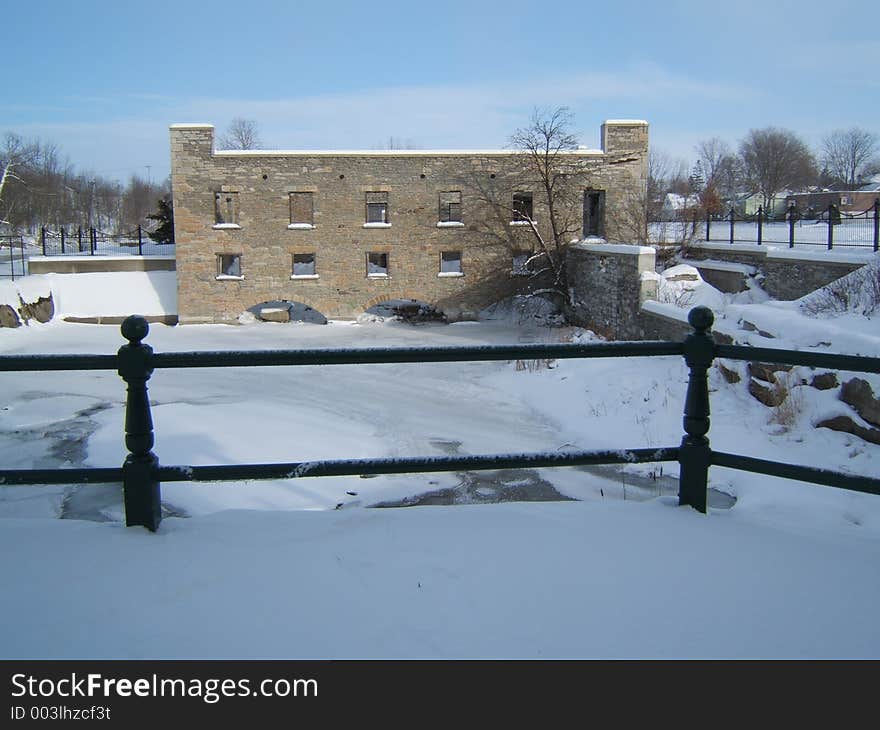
(91, 203)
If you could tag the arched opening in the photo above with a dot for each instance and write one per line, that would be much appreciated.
(411, 311)
(283, 311)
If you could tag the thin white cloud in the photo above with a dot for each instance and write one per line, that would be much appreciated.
(476, 115)
(464, 115)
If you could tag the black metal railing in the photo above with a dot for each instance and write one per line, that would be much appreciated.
(141, 473)
(12, 263)
(824, 228)
(91, 241)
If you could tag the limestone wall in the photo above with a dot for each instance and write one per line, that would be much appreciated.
(260, 183)
(790, 279)
(659, 326)
(607, 287)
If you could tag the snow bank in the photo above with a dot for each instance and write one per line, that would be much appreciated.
(666, 309)
(551, 580)
(849, 334)
(683, 286)
(857, 292)
(114, 294)
(28, 289)
(106, 294)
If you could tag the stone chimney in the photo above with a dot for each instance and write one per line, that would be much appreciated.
(624, 135)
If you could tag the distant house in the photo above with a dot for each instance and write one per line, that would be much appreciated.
(749, 203)
(852, 202)
(676, 207)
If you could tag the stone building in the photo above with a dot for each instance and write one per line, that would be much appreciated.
(343, 231)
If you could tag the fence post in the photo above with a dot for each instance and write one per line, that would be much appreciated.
(830, 225)
(62, 239)
(760, 224)
(141, 492)
(43, 238)
(140, 242)
(792, 210)
(708, 223)
(79, 239)
(876, 224)
(694, 455)
(93, 240)
(732, 216)
(12, 259)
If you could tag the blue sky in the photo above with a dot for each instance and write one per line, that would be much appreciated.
(105, 79)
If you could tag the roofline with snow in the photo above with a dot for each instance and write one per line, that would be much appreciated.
(387, 153)
(581, 151)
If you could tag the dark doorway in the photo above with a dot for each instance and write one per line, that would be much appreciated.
(594, 213)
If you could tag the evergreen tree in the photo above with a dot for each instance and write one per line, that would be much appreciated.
(164, 214)
(697, 179)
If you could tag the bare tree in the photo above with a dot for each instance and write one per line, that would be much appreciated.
(544, 142)
(847, 153)
(774, 160)
(138, 201)
(532, 203)
(42, 188)
(242, 134)
(7, 175)
(660, 167)
(397, 143)
(643, 206)
(712, 154)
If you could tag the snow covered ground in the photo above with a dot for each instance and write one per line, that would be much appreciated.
(271, 569)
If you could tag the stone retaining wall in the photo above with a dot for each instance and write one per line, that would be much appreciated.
(789, 274)
(98, 264)
(656, 326)
(607, 287)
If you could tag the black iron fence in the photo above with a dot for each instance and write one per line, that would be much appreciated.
(825, 228)
(141, 473)
(12, 257)
(93, 242)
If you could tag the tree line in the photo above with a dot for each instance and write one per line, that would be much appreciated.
(767, 162)
(41, 187)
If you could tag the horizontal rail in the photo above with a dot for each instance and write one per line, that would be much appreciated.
(826, 477)
(91, 475)
(799, 357)
(410, 465)
(378, 355)
(345, 467)
(349, 356)
(33, 363)
(352, 356)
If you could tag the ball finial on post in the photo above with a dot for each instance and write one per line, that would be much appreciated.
(701, 318)
(135, 328)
